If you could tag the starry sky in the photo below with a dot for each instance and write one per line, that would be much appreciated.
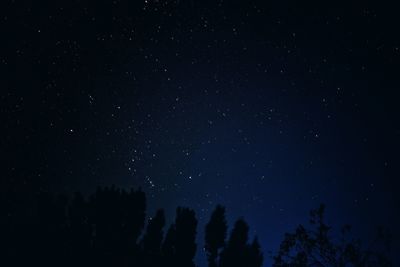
(267, 108)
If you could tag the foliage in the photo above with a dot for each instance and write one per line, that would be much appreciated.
(316, 247)
(107, 229)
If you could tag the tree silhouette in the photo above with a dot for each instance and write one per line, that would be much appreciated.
(234, 253)
(151, 242)
(185, 246)
(238, 253)
(104, 230)
(79, 229)
(255, 257)
(52, 227)
(316, 247)
(179, 247)
(215, 235)
(168, 247)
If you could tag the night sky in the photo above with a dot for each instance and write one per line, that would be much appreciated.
(269, 109)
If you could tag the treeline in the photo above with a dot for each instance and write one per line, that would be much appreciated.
(109, 229)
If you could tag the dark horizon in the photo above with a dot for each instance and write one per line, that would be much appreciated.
(112, 227)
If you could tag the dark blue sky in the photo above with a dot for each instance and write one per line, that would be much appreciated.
(268, 109)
